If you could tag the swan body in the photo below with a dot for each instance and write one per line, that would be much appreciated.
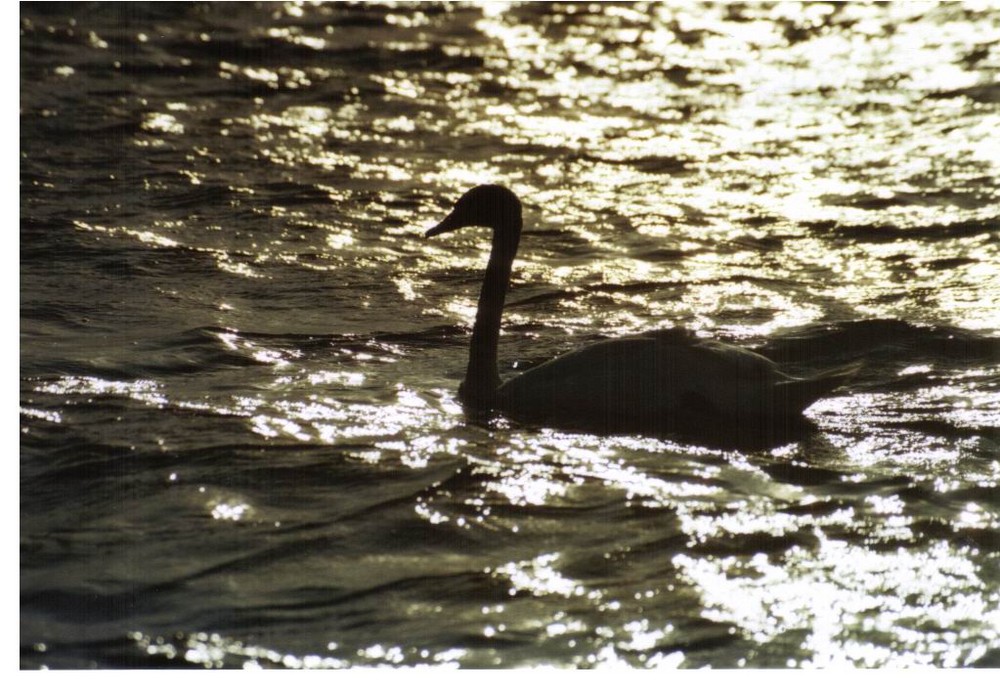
(661, 383)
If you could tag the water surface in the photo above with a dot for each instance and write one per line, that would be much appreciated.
(240, 443)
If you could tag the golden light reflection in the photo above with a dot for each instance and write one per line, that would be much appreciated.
(602, 129)
(233, 341)
(146, 391)
(145, 236)
(400, 85)
(460, 175)
(39, 414)
(966, 405)
(833, 594)
(975, 516)
(274, 426)
(644, 637)
(294, 35)
(231, 510)
(753, 517)
(346, 378)
(560, 469)
(520, 127)
(162, 122)
(331, 421)
(539, 578)
(213, 650)
(530, 484)
(315, 419)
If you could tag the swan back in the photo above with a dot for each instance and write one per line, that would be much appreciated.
(666, 383)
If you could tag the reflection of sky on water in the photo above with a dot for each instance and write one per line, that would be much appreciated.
(792, 114)
(800, 164)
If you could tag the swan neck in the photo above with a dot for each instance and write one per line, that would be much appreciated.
(482, 377)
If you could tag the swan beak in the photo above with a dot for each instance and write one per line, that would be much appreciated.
(450, 223)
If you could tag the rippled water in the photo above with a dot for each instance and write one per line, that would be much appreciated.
(240, 443)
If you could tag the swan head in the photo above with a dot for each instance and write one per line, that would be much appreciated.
(492, 206)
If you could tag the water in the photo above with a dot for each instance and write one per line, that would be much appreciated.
(240, 441)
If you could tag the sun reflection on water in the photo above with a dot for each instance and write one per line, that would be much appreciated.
(739, 170)
(844, 590)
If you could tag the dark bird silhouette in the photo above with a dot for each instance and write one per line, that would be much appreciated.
(662, 383)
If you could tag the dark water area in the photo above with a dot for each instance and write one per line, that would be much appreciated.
(240, 439)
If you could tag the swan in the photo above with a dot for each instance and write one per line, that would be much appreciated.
(666, 382)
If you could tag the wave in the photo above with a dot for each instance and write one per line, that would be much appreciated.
(877, 233)
(881, 337)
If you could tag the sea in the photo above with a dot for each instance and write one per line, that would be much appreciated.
(240, 439)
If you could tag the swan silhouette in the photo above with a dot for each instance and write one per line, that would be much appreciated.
(666, 382)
